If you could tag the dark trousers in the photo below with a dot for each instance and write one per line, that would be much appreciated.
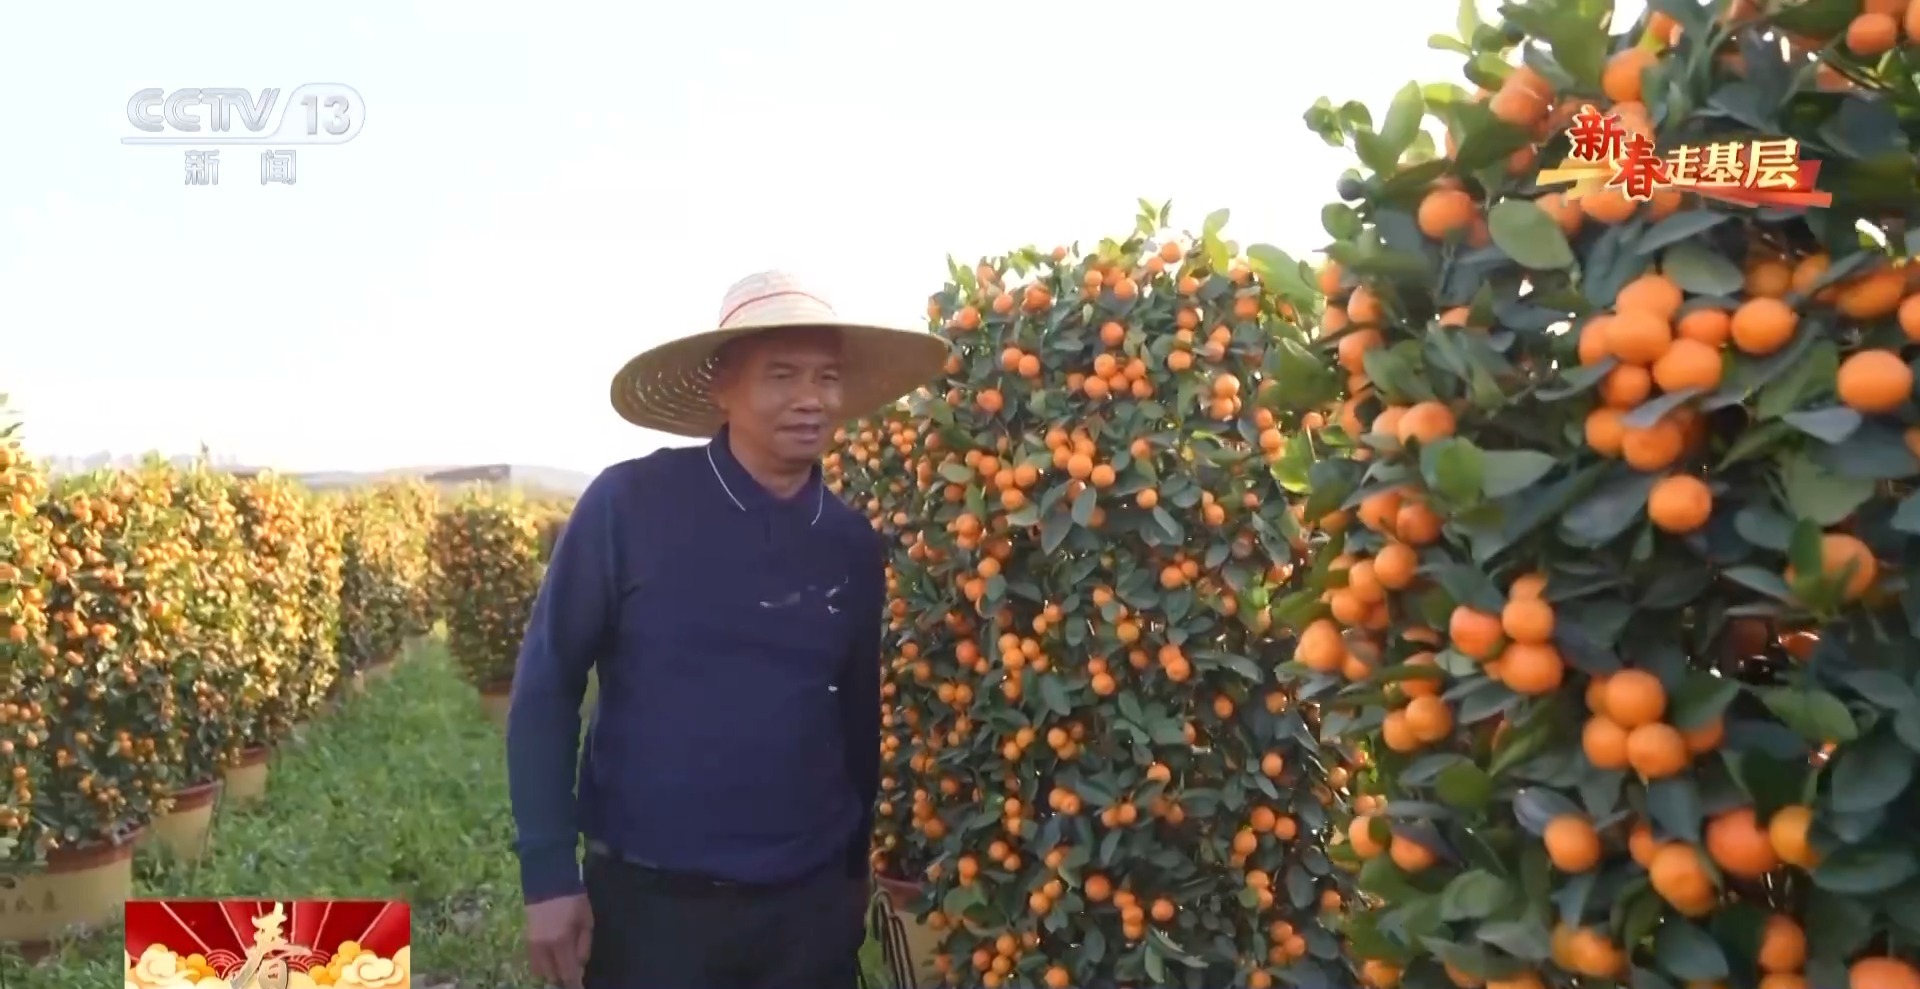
(657, 930)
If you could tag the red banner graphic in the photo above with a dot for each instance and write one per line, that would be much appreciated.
(274, 944)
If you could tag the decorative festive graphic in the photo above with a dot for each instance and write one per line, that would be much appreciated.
(268, 944)
(1607, 154)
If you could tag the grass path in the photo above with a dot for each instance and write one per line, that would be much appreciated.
(400, 793)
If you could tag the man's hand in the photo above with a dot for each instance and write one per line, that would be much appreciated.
(559, 934)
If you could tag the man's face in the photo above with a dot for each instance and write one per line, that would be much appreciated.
(780, 391)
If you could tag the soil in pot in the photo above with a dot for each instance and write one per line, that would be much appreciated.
(184, 831)
(79, 889)
(246, 780)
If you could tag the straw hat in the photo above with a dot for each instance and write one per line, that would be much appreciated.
(669, 387)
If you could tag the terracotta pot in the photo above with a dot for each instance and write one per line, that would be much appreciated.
(78, 890)
(183, 831)
(495, 700)
(246, 780)
(907, 945)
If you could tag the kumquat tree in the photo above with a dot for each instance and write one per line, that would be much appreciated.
(1617, 512)
(414, 504)
(292, 666)
(486, 549)
(1092, 512)
(23, 624)
(119, 574)
(218, 683)
(322, 607)
(376, 603)
(868, 467)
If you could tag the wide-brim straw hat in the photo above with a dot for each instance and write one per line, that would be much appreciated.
(670, 387)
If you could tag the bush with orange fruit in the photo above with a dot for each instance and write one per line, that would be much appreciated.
(413, 504)
(1086, 748)
(383, 553)
(486, 550)
(868, 467)
(320, 606)
(295, 579)
(23, 624)
(98, 710)
(551, 514)
(219, 685)
(1621, 504)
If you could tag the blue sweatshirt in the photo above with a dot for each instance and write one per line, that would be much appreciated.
(737, 640)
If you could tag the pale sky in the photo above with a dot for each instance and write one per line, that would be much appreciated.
(535, 197)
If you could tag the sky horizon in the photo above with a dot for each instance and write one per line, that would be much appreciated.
(534, 199)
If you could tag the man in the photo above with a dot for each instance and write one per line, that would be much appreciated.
(731, 607)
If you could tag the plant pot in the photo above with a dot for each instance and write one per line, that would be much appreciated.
(907, 945)
(78, 890)
(246, 780)
(183, 831)
(495, 700)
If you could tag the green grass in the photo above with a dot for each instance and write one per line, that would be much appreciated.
(400, 793)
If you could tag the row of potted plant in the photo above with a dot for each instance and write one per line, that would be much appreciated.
(161, 630)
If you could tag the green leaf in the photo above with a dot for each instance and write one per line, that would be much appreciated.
(1341, 221)
(1676, 228)
(1054, 694)
(1652, 411)
(1054, 528)
(1906, 518)
(1864, 870)
(1871, 774)
(1815, 18)
(1817, 495)
(1302, 381)
(960, 899)
(1814, 714)
(1701, 270)
(1688, 952)
(1608, 510)
(1804, 549)
(1466, 19)
(1084, 505)
(1215, 222)
(1215, 659)
(1637, 910)
(1455, 468)
(1675, 805)
(1403, 119)
(1528, 235)
(1280, 271)
(1482, 138)
(1511, 471)
(956, 473)
(1473, 895)
(1464, 785)
(1829, 425)
(1700, 698)
(1392, 371)
(1579, 44)
(1804, 378)
(1166, 944)
(1522, 938)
